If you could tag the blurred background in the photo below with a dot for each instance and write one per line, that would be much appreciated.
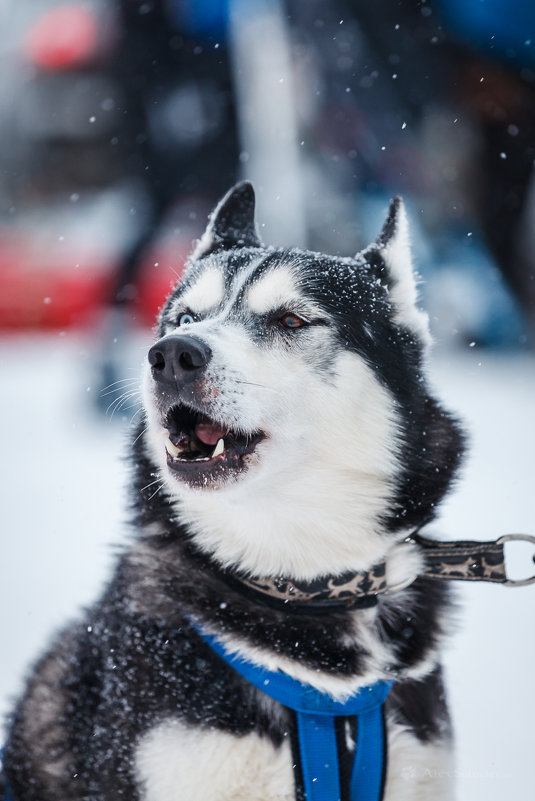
(122, 122)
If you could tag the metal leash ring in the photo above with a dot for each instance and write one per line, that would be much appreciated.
(517, 538)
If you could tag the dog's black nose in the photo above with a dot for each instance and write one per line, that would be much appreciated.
(178, 359)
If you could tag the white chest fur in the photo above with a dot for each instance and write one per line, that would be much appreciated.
(175, 762)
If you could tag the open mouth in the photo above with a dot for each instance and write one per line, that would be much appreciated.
(203, 450)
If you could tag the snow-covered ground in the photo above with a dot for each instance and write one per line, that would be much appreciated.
(63, 511)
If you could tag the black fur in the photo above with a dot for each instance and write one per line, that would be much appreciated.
(421, 706)
(233, 224)
(131, 669)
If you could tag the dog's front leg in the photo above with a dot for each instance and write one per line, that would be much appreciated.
(418, 771)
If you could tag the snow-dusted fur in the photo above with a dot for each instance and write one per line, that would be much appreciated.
(330, 451)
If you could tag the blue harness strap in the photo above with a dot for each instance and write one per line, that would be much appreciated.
(316, 731)
(315, 712)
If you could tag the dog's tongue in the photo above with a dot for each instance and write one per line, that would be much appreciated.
(209, 433)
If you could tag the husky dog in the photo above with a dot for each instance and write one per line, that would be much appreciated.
(288, 432)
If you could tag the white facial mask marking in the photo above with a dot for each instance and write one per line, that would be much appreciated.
(205, 294)
(272, 290)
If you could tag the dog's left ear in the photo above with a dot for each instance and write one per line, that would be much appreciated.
(393, 245)
(231, 224)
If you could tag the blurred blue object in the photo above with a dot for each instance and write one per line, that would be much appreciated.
(504, 28)
(466, 279)
(201, 19)
(462, 288)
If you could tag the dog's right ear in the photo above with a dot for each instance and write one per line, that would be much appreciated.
(231, 224)
(394, 246)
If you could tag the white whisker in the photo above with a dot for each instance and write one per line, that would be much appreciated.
(175, 272)
(138, 411)
(261, 386)
(124, 385)
(123, 408)
(107, 390)
(151, 484)
(140, 433)
(119, 402)
(156, 491)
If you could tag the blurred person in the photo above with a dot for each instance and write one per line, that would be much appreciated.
(178, 136)
(408, 100)
(179, 133)
(498, 89)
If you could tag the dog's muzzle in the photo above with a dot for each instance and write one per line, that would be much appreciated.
(202, 449)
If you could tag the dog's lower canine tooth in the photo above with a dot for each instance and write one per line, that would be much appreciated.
(219, 448)
(172, 449)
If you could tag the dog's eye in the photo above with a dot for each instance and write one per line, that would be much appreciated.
(292, 321)
(186, 319)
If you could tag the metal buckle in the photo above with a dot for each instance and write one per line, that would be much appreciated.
(516, 537)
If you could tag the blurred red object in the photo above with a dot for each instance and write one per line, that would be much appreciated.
(58, 289)
(62, 38)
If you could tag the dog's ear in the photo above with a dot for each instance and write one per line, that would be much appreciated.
(393, 245)
(231, 224)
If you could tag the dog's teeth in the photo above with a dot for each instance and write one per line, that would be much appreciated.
(219, 448)
(172, 449)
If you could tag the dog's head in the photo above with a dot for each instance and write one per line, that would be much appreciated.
(286, 406)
